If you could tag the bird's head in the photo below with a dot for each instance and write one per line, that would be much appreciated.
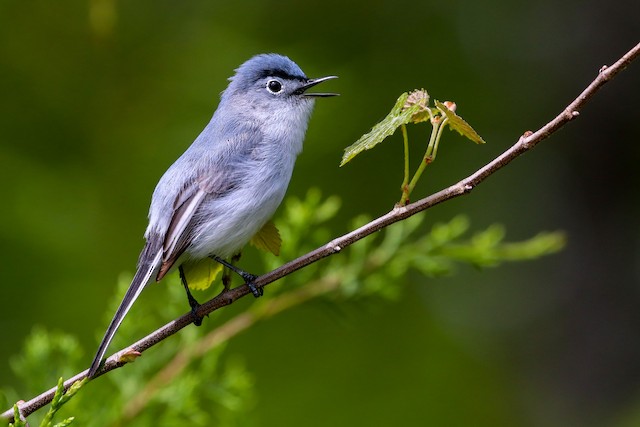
(273, 80)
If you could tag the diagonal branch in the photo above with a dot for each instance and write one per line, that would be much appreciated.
(526, 142)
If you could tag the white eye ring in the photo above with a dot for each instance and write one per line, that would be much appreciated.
(274, 86)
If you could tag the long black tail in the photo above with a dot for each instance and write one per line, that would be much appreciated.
(140, 280)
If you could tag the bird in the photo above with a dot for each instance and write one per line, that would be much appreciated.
(227, 185)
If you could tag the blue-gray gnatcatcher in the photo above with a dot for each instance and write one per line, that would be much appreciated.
(230, 181)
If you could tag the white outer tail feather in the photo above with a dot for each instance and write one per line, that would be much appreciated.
(140, 280)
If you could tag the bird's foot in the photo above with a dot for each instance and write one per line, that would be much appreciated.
(249, 280)
(197, 319)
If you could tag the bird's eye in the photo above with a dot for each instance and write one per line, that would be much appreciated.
(274, 86)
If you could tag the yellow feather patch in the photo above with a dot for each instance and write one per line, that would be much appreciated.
(268, 239)
(201, 274)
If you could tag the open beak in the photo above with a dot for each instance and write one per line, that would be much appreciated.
(311, 83)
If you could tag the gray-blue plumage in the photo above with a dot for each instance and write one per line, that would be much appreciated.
(230, 181)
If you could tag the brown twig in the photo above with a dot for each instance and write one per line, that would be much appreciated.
(526, 142)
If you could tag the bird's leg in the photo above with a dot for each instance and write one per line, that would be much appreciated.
(226, 274)
(226, 278)
(197, 320)
(236, 258)
(247, 277)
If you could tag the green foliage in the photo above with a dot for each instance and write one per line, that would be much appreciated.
(214, 390)
(413, 108)
(60, 398)
(385, 258)
(303, 227)
(193, 381)
(19, 422)
(458, 124)
(486, 249)
(42, 350)
(398, 116)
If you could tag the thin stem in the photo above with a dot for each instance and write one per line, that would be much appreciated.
(405, 190)
(426, 159)
(437, 143)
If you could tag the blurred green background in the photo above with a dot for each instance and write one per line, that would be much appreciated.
(99, 97)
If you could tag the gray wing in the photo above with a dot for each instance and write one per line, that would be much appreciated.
(181, 227)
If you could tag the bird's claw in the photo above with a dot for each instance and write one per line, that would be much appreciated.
(257, 292)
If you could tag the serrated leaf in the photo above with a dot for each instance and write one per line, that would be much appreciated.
(201, 274)
(396, 118)
(458, 124)
(268, 239)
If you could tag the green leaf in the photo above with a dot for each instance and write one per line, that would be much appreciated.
(59, 399)
(397, 117)
(268, 239)
(542, 244)
(201, 274)
(65, 423)
(18, 422)
(457, 123)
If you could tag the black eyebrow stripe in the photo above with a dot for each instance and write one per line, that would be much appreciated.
(278, 73)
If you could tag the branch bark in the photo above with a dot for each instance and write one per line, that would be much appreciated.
(525, 143)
